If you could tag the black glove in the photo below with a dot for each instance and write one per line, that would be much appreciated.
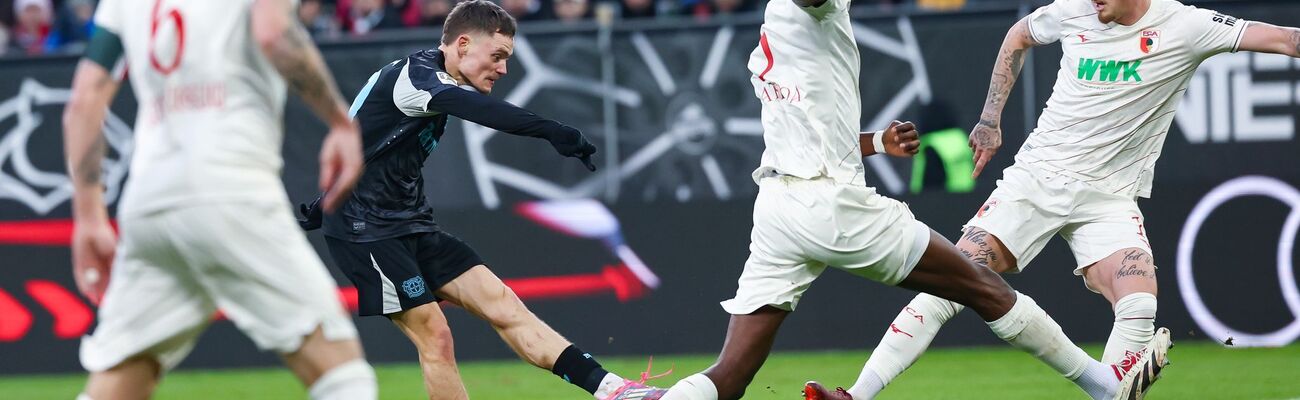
(569, 142)
(311, 215)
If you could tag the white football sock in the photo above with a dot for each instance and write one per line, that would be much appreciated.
(1099, 380)
(694, 387)
(353, 380)
(904, 341)
(1135, 325)
(1028, 328)
(608, 385)
(868, 385)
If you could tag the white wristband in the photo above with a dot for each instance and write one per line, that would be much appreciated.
(878, 142)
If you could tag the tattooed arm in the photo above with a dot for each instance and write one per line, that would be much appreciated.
(986, 138)
(1265, 38)
(93, 240)
(287, 45)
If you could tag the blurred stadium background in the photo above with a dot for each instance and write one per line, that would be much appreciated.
(661, 87)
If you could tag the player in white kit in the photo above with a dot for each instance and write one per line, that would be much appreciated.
(205, 220)
(1125, 67)
(814, 210)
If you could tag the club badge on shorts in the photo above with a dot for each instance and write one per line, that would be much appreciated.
(987, 208)
(1150, 41)
(413, 287)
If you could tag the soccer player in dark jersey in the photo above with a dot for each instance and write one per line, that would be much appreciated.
(384, 237)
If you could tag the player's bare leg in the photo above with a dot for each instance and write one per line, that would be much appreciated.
(911, 332)
(135, 378)
(427, 328)
(946, 271)
(749, 341)
(1127, 279)
(480, 292)
(332, 369)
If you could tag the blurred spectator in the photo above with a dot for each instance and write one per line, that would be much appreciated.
(72, 27)
(32, 27)
(638, 8)
(941, 5)
(697, 8)
(524, 10)
(728, 7)
(570, 11)
(433, 12)
(363, 16)
(313, 16)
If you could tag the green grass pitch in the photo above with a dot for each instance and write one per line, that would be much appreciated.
(1199, 371)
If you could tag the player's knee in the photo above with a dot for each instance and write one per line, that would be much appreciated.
(439, 346)
(351, 380)
(506, 310)
(988, 293)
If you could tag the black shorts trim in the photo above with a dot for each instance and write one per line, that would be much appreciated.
(398, 274)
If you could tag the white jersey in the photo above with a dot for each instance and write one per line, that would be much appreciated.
(210, 104)
(805, 72)
(1118, 88)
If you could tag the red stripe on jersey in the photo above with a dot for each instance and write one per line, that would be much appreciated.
(767, 51)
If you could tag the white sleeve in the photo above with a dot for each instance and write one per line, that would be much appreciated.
(1211, 32)
(108, 15)
(1045, 22)
(413, 90)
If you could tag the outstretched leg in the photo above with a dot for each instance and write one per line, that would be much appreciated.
(945, 272)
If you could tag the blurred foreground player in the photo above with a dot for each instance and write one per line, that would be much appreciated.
(1125, 66)
(206, 223)
(385, 239)
(814, 210)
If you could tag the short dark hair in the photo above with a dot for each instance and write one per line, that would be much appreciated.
(477, 16)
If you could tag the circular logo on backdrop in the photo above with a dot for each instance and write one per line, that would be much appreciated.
(1241, 187)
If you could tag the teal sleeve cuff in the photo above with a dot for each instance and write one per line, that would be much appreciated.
(105, 48)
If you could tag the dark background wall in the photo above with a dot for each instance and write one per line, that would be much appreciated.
(672, 109)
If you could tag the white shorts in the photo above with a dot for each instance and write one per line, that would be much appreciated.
(802, 226)
(175, 268)
(1029, 206)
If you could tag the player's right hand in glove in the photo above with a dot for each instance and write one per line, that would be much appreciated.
(311, 215)
(570, 142)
